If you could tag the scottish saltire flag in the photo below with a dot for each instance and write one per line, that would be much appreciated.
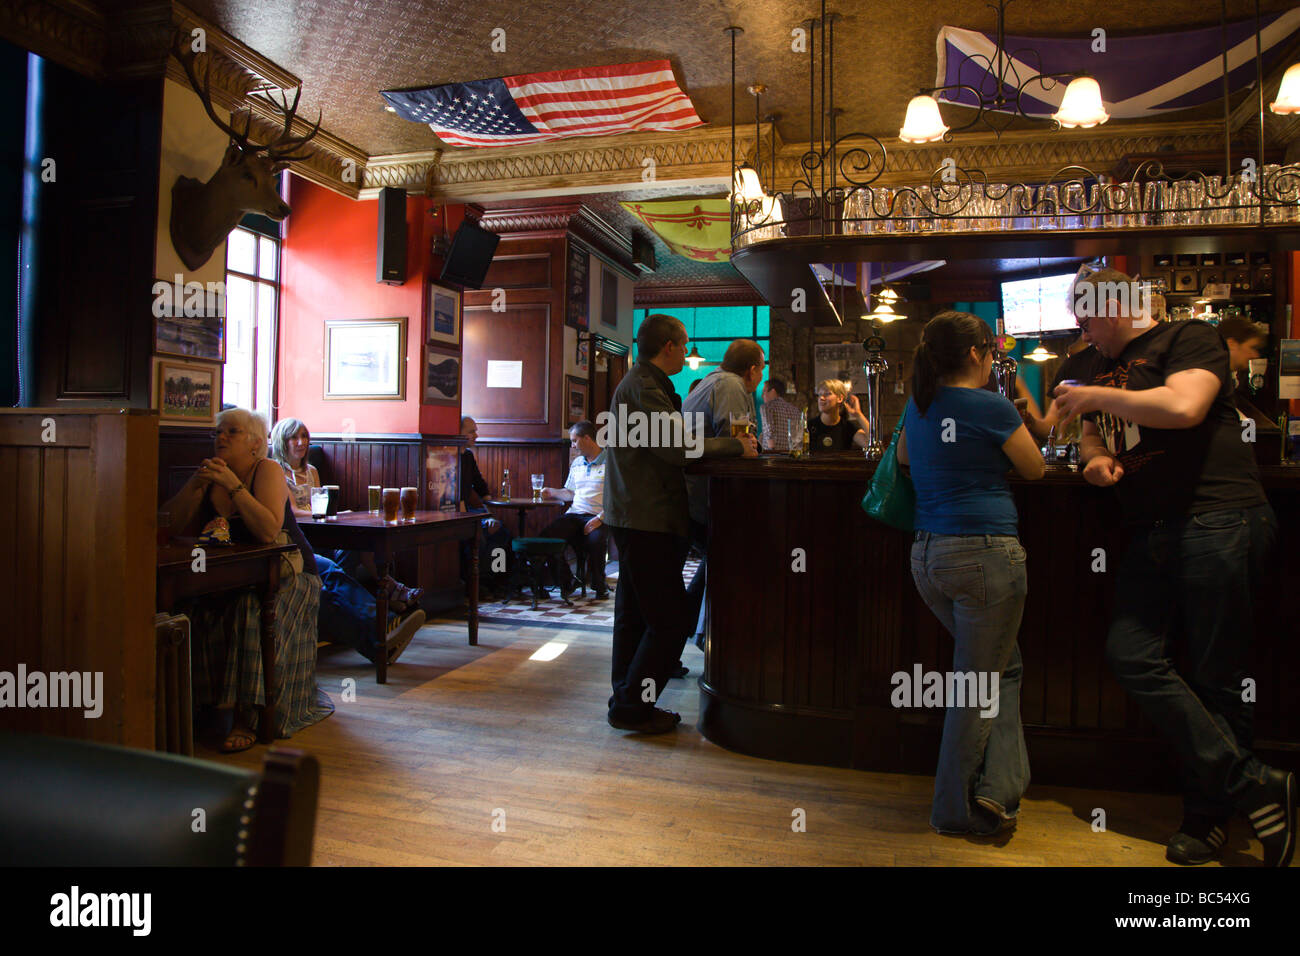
(534, 107)
(1140, 76)
(698, 229)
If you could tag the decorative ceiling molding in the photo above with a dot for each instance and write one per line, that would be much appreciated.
(71, 33)
(564, 218)
(596, 164)
(514, 221)
(685, 296)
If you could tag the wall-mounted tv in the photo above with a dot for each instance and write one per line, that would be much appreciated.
(1038, 306)
(470, 255)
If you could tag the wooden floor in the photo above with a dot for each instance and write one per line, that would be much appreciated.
(414, 772)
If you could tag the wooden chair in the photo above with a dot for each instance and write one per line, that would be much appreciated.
(74, 803)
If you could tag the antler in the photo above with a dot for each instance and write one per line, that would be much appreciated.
(283, 145)
(182, 51)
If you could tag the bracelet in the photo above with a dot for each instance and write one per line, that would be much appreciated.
(237, 489)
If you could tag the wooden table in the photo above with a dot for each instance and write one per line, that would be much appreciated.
(524, 505)
(228, 568)
(363, 531)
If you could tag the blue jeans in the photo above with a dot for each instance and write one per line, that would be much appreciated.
(347, 610)
(976, 587)
(1191, 578)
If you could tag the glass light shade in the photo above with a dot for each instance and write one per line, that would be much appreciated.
(923, 123)
(884, 310)
(1288, 96)
(1081, 106)
(694, 359)
(1040, 354)
(745, 184)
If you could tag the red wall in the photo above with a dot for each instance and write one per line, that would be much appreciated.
(328, 272)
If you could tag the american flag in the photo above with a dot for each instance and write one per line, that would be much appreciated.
(535, 107)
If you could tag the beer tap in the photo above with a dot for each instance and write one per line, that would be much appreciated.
(1004, 366)
(874, 368)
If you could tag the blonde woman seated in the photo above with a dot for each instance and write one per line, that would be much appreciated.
(241, 486)
(290, 440)
(840, 426)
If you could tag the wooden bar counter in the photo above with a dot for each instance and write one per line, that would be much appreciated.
(798, 663)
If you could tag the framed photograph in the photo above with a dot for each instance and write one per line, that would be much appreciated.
(442, 478)
(575, 400)
(186, 393)
(582, 354)
(365, 358)
(444, 315)
(189, 320)
(577, 285)
(441, 376)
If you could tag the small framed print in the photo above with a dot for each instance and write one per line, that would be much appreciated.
(575, 400)
(186, 393)
(365, 358)
(444, 315)
(441, 376)
(190, 320)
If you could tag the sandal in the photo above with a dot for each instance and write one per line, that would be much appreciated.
(239, 739)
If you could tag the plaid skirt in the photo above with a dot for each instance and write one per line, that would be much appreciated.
(227, 653)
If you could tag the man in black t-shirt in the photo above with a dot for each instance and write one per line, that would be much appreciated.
(840, 426)
(1160, 427)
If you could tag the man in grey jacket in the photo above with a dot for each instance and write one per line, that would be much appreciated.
(646, 511)
(722, 393)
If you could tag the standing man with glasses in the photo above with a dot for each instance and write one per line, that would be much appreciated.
(1161, 428)
(646, 510)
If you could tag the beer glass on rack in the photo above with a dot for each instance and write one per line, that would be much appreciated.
(539, 482)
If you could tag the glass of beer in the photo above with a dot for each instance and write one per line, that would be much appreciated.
(390, 499)
(741, 424)
(376, 493)
(320, 503)
(539, 482)
(408, 503)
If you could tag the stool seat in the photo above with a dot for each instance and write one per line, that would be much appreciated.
(538, 545)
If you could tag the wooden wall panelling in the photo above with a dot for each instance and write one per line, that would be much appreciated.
(79, 556)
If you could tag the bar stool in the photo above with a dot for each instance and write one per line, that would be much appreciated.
(533, 552)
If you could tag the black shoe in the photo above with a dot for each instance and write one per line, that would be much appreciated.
(986, 822)
(602, 594)
(660, 722)
(1199, 840)
(1270, 808)
(681, 671)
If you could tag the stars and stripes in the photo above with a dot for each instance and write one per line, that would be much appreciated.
(534, 107)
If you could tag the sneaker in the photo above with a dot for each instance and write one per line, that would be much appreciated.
(1199, 840)
(660, 722)
(989, 817)
(1270, 808)
(401, 634)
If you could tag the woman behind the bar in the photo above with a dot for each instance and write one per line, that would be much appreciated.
(240, 485)
(968, 564)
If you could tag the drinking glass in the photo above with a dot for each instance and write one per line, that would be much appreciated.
(407, 500)
(539, 482)
(1047, 207)
(391, 499)
(741, 424)
(320, 503)
(375, 493)
(1074, 198)
(876, 203)
(332, 508)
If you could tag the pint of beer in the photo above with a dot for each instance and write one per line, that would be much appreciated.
(408, 500)
(376, 493)
(741, 424)
(390, 498)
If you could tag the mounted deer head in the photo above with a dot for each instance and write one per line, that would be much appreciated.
(203, 214)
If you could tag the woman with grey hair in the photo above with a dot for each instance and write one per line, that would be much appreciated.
(237, 491)
(290, 440)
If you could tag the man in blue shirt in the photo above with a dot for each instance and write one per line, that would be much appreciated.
(583, 525)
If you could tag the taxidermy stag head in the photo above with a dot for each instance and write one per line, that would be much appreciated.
(203, 214)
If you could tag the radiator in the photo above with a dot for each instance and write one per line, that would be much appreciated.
(174, 702)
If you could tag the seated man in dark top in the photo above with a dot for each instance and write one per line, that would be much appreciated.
(841, 426)
(495, 558)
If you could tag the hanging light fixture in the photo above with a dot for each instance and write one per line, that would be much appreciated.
(694, 358)
(1288, 95)
(1040, 354)
(923, 123)
(745, 186)
(884, 312)
(1081, 106)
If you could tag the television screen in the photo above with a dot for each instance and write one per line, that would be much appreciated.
(471, 253)
(1033, 307)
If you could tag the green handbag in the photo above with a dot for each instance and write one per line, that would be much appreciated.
(890, 498)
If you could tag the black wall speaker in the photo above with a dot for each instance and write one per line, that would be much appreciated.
(391, 259)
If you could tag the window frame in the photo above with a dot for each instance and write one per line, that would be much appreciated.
(259, 232)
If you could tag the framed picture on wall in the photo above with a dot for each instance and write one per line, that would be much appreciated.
(577, 284)
(444, 315)
(441, 376)
(575, 400)
(365, 358)
(442, 477)
(186, 393)
(189, 321)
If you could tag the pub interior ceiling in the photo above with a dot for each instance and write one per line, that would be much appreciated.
(343, 52)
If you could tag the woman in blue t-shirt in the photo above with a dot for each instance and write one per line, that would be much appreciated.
(969, 567)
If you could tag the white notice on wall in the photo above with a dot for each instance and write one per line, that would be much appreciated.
(505, 374)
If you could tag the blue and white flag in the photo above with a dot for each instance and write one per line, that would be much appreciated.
(1140, 76)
